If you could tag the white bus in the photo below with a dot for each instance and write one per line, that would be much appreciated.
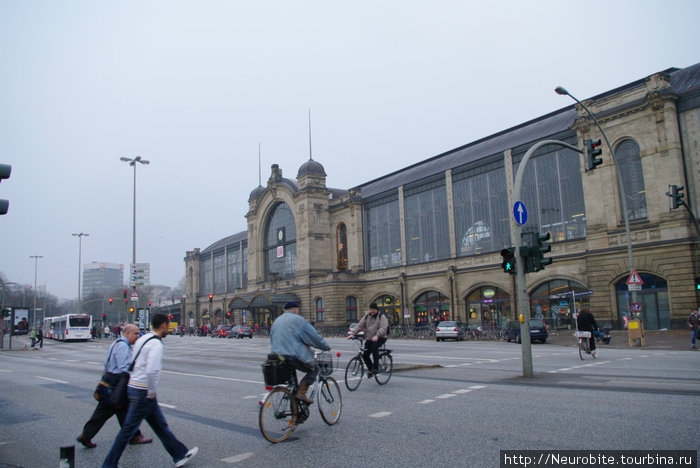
(68, 327)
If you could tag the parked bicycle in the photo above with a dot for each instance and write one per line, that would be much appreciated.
(281, 412)
(356, 367)
(584, 347)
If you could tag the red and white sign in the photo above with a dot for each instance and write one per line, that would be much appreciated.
(634, 278)
(635, 307)
(134, 295)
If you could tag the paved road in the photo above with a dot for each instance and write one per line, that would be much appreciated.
(463, 411)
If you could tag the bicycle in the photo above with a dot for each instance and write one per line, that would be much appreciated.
(280, 410)
(584, 347)
(355, 369)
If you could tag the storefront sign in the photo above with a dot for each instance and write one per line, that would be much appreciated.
(489, 293)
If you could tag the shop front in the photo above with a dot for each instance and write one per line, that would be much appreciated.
(431, 308)
(554, 303)
(489, 308)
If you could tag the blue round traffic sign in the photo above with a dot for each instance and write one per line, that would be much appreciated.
(520, 212)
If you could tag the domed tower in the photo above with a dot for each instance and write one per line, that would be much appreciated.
(311, 175)
(256, 193)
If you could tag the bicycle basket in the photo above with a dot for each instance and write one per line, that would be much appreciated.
(582, 334)
(325, 362)
(276, 372)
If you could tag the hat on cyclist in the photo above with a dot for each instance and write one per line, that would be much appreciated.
(373, 306)
(291, 305)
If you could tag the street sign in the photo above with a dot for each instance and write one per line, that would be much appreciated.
(520, 212)
(134, 296)
(634, 278)
(635, 307)
(634, 287)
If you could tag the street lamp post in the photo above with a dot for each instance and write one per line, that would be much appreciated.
(80, 260)
(2, 316)
(132, 162)
(36, 260)
(623, 199)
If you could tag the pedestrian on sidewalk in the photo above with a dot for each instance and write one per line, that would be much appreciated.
(32, 335)
(143, 383)
(694, 324)
(40, 336)
(116, 362)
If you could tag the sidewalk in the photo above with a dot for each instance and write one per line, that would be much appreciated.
(19, 343)
(675, 340)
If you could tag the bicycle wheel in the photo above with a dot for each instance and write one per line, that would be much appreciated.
(582, 348)
(354, 373)
(278, 415)
(386, 366)
(330, 401)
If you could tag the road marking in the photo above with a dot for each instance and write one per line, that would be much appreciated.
(92, 362)
(462, 390)
(250, 397)
(425, 402)
(72, 360)
(453, 365)
(237, 458)
(381, 414)
(444, 396)
(216, 377)
(3, 370)
(53, 359)
(164, 405)
(48, 378)
(477, 387)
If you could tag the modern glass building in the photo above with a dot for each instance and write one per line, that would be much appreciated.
(424, 242)
(102, 277)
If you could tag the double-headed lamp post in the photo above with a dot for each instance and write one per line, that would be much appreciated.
(36, 259)
(132, 162)
(80, 260)
(623, 198)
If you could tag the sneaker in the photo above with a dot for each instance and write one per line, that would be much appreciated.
(188, 456)
(370, 374)
(593, 353)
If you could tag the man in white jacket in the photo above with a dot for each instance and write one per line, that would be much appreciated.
(145, 373)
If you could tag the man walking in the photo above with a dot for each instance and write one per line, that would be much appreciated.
(116, 362)
(694, 324)
(142, 388)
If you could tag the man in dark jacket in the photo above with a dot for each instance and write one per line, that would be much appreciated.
(694, 324)
(376, 327)
(586, 322)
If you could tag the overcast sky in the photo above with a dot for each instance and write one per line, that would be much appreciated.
(193, 86)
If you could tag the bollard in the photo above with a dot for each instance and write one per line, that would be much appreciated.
(67, 457)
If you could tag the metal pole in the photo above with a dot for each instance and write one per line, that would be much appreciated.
(133, 256)
(620, 183)
(36, 259)
(523, 298)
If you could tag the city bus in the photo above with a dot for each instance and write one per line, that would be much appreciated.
(68, 327)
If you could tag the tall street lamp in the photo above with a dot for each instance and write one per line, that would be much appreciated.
(562, 91)
(132, 162)
(36, 260)
(80, 260)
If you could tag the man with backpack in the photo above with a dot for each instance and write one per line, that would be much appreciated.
(376, 328)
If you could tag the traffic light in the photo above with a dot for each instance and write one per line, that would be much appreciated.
(539, 262)
(125, 293)
(697, 283)
(228, 314)
(110, 301)
(103, 316)
(508, 264)
(676, 194)
(149, 303)
(5, 170)
(211, 297)
(131, 310)
(593, 150)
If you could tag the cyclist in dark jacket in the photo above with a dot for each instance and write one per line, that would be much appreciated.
(376, 328)
(586, 322)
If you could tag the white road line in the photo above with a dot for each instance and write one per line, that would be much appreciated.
(72, 360)
(425, 402)
(92, 362)
(3, 370)
(53, 359)
(445, 396)
(48, 378)
(453, 365)
(250, 397)
(237, 458)
(552, 372)
(626, 359)
(216, 377)
(462, 390)
(477, 387)
(381, 414)
(164, 405)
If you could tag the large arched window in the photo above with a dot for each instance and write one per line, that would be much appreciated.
(630, 164)
(342, 246)
(281, 243)
(554, 303)
(653, 299)
(432, 307)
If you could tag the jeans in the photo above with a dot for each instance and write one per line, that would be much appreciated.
(99, 417)
(311, 369)
(372, 347)
(694, 334)
(141, 408)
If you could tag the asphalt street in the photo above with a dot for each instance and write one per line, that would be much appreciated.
(451, 403)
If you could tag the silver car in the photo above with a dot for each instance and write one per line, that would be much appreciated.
(449, 330)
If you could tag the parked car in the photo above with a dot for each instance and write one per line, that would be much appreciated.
(241, 331)
(360, 333)
(538, 331)
(217, 332)
(224, 331)
(449, 330)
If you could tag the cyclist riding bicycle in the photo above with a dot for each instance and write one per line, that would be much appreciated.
(290, 336)
(376, 327)
(586, 322)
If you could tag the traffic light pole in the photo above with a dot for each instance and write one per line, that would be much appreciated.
(521, 293)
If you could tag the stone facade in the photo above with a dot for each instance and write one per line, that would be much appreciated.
(662, 119)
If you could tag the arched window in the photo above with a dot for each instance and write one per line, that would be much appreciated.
(391, 307)
(431, 308)
(319, 310)
(653, 299)
(281, 243)
(630, 164)
(553, 302)
(351, 309)
(341, 235)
